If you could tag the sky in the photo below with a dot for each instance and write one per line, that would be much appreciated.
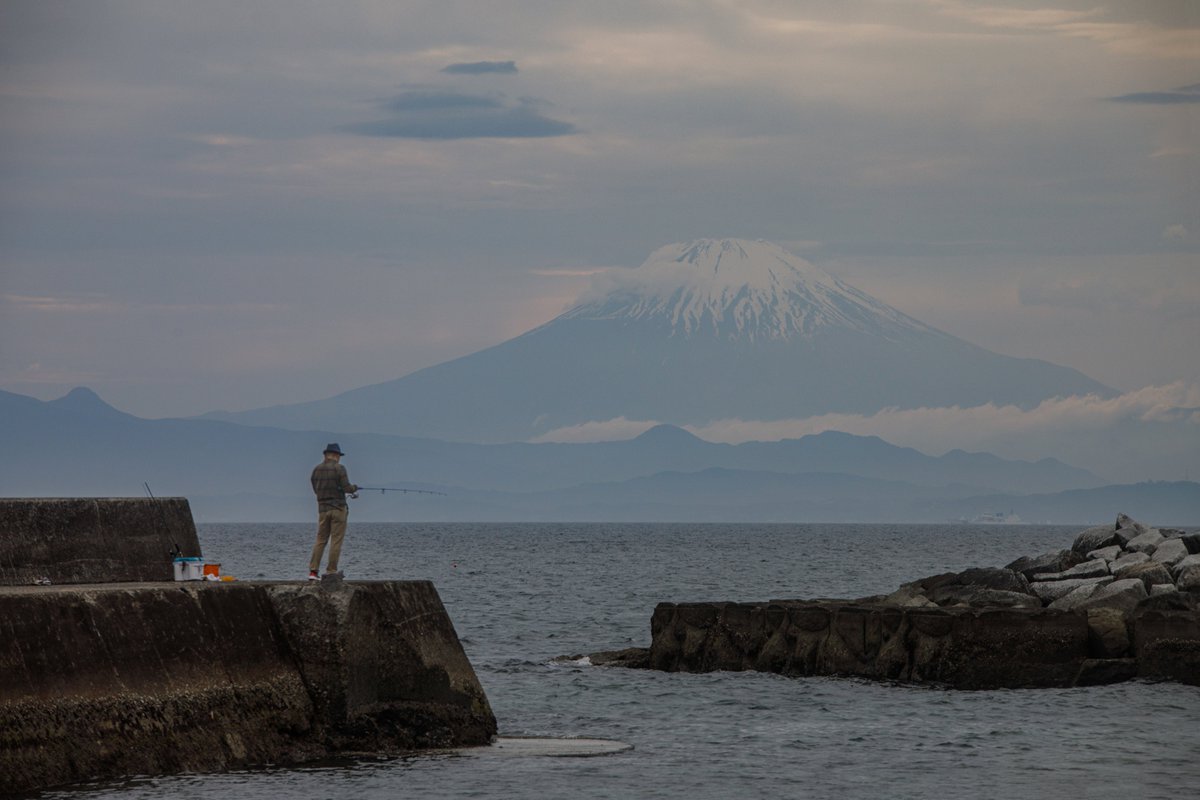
(228, 205)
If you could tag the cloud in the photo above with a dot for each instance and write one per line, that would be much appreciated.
(99, 304)
(580, 272)
(417, 100)
(482, 68)
(443, 114)
(1184, 94)
(1151, 433)
(797, 245)
(223, 140)
(1175, 232)
(46, 384)
(613, 430)
(953, 426)
(1113, 293)
(60, 304)
(1136, 36)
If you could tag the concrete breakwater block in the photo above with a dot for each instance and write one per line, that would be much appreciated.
(101, 681)
(964, 648)
(961, 647)
(93, 539)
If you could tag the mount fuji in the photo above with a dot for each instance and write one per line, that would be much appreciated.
(704, 330)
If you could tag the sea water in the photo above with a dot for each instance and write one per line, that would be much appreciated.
(521, 595)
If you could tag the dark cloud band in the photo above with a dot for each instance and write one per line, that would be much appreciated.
(1184, 94)
(482, 68)
(436, 100)
(438, 114)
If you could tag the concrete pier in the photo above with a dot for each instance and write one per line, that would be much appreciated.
(138, 674)
(93, 539)
(100, 681)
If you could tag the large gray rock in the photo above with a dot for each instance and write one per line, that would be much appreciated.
(1184, 563)
(1127, 560)
(1055, 561)
(1170, 552)
(1004, 580)
(1188, 579)
(1108, 633)
(1049, 591)
(1133, 586)
(1150, 573)
(1128, 528)
(1075, 597)
(1145, 543)
(977, 596)
(1110, 553)
(1122, 596)
(972, 587)
(1089, 569)
(910, 595)
(1163, 588)
(1095, 538)
(1173, 601)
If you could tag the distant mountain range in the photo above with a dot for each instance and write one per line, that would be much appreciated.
(79, 445)
(702, 331)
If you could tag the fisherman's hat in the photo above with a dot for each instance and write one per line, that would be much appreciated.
(332, 447)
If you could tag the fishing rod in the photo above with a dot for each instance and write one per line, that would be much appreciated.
(386, 489)
(163, 524)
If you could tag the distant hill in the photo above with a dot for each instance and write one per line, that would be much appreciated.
(79, 445)
(702, 331)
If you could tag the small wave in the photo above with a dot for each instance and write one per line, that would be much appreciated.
(582, 661)
(509, 666)
(568, 661)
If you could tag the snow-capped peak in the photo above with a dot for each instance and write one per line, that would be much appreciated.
(735, 288)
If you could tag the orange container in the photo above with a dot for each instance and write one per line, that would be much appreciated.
(212, 569)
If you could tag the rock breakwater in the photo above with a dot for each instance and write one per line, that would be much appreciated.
(1121, 602)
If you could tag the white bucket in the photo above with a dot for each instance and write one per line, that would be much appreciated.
(189, 568)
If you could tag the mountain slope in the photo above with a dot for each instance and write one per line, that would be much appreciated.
(714, 329)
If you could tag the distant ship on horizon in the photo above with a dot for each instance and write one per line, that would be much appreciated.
(995, 518)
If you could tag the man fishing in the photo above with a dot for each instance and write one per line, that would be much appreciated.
(331, 484)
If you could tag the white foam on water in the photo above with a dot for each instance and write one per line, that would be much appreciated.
(582, 661)
(522, 746)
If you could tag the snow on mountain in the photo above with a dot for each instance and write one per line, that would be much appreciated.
(735, 288)
(714, 329)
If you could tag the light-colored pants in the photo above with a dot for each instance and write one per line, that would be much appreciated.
(331, 528)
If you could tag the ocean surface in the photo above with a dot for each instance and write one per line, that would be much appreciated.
(521, 595)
